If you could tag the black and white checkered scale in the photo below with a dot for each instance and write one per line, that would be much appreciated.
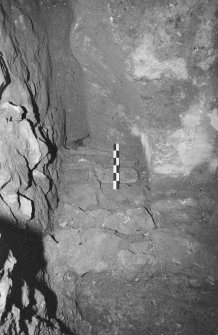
(116, 166)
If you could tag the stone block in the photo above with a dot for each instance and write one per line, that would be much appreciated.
(127, 175)
(130, 262)
(131, 221)
(175, 248)
(125, 196)
(96, 250)
(84, 195)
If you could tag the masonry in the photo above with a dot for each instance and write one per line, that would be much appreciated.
(78, 256)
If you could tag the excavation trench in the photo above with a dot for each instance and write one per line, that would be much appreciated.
(78, 256)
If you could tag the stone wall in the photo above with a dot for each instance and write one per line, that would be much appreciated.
(151, 70)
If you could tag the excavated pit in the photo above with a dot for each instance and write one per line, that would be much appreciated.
(78, 257)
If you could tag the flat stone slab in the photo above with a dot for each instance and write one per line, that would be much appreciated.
(76, 175)
(126, 196)
(95, 250)
(132, 221)
(84, 195)
(128, 262)
(180, 249)
(171, 211)
(127, 175)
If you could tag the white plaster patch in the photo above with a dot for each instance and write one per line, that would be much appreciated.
(194, 151)
(213, 165)
(214, 119)
(193, 118)
(146, 65)
(191, 151)
(189, 146)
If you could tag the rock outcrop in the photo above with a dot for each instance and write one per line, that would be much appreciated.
(28, 166)
(24, 185)
(27, 182)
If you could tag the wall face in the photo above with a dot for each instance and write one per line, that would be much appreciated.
(146, 78)
(27, 189)
(151, 75)
(67, 85)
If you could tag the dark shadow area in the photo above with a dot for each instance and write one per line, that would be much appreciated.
(51, 145)
(34, 105)
(27, 248)
(5, 74)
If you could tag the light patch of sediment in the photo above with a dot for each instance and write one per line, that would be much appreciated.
(189, 146)
(144, 63)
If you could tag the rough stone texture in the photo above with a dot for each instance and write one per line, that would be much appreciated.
(113, 271)
(27, 186)
(128, 221)
(149, 82)
(68, 93)
(123, 197)
(150, 69)
(94, 250)
(179, 248)
(22, 35)
(111, 97)
(7, 265)
(27, 178)
(22, 152)
(45, 78)
(127, 175)
(97, 250)
(84, 195)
